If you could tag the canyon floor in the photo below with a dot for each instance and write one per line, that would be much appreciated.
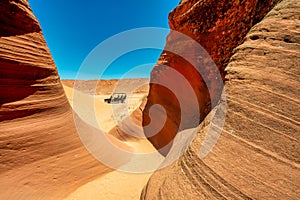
(114, 184)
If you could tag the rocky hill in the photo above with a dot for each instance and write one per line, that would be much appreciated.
(105, 87)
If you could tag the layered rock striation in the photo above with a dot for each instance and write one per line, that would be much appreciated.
(219, 27)
(257, 155)
(41, 155)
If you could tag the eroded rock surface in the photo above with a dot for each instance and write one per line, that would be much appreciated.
(257, 155)
(41, 155)
(219, 26)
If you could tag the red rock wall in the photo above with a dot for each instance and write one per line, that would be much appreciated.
(219, 26)
(257, 154)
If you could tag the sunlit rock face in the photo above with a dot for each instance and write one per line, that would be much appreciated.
(41, 155)
(29, 82)
(219, 27)
(27, 73)
(257, 155)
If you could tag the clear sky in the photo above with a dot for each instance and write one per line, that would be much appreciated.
(73, 28)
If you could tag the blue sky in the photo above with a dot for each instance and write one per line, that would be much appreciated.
(73, 29)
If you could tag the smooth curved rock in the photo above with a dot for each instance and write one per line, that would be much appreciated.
(257, 155)
(219, 26)
(41, 155)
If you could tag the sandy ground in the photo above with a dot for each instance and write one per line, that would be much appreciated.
(107, 115)
(116, 184)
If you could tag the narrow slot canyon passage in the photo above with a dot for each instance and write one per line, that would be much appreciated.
(221, 100)
(110, 117)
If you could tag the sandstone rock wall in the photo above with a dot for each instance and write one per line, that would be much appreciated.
(257, 155)
(41, 155)
(219, 26)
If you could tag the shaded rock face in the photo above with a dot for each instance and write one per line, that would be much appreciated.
(219, 26)
(41, 155)
(11, 13)
(257, 155)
